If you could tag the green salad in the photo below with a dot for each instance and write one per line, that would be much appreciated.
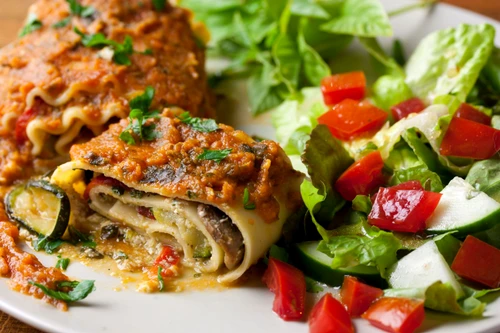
(402, 187)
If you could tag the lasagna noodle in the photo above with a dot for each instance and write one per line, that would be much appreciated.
(257, 234)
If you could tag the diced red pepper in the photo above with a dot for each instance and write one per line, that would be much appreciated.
(357, 296)
(167, 259)
(338, 87)
(403, 109)
(351, 119)
(362, 178)
(467, 111)
(103, 180)
(398, 315)
(289, 286)
(21, 125)
(403, 210)
(329, 316)
(469, 139)
(479, 262)
(146, 212)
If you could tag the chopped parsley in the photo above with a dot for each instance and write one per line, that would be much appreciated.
(139, 116)
(159, 5)
(118, 190)
(214, 155)
(121, 51)
(198, 124)
(78, 10)
(63, 23)
(246, 200)
(80, 238)
(33, 24)
(62, 263)
(46, 244)
(79, 290)
(161, 283)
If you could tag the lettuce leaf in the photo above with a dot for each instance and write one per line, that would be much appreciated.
(485, 176)
(295, 119)
(390, 90)
(449, 61)
(373, 22)
(376, 248)
(441, 297)
(407, 166)
(325, 158)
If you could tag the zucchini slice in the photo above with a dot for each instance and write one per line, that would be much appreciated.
(41, 207)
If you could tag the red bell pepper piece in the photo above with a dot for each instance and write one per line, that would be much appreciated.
(478, 261)
(357, 296)
(469, 139)
(467, 111)
(167, 259)
(350, 119)
(289, 286)
(403, 109)
(362, 178)
(329, 316)
(338, 87)
(398, 315)
(103, 180)
(403, 210)
(146, 212)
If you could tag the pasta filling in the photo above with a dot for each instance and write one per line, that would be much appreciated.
(204, 233)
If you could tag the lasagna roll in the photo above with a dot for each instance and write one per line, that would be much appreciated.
(75, 69)
(217, 196)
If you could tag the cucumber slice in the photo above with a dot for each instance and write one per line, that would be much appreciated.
(422, 268)
(41, 207)
(317, 265)
(463, 209)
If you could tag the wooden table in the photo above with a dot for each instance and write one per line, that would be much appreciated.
(12, 13)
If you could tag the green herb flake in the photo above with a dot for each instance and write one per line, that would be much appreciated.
(118, 190)
(32, 25)
(80, 238)
(62, 263)
(214, 155)
(159, 5)
(161, 283)
(246, 200)
(63, 23)
(46, 244)
(198, 124)
(80, 290)
(197, 275)
(78, 10)
(122, 51)
(139, 117)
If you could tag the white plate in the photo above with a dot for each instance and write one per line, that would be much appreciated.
(246, 309)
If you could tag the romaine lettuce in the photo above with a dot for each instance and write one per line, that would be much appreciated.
(485, 176)
(449, 61)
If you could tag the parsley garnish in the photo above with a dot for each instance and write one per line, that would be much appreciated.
(80, 290)
(159, 4)
(122, 51)
(62, 263)
(78, 237)
(214, 155)
(79, 10)
(198, 124)
(33, 24)
(138, 117)
(246, 200)
(44, 243)
(161, 283)
(62, 23)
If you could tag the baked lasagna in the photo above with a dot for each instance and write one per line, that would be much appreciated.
(211, 194)
(77, 66)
